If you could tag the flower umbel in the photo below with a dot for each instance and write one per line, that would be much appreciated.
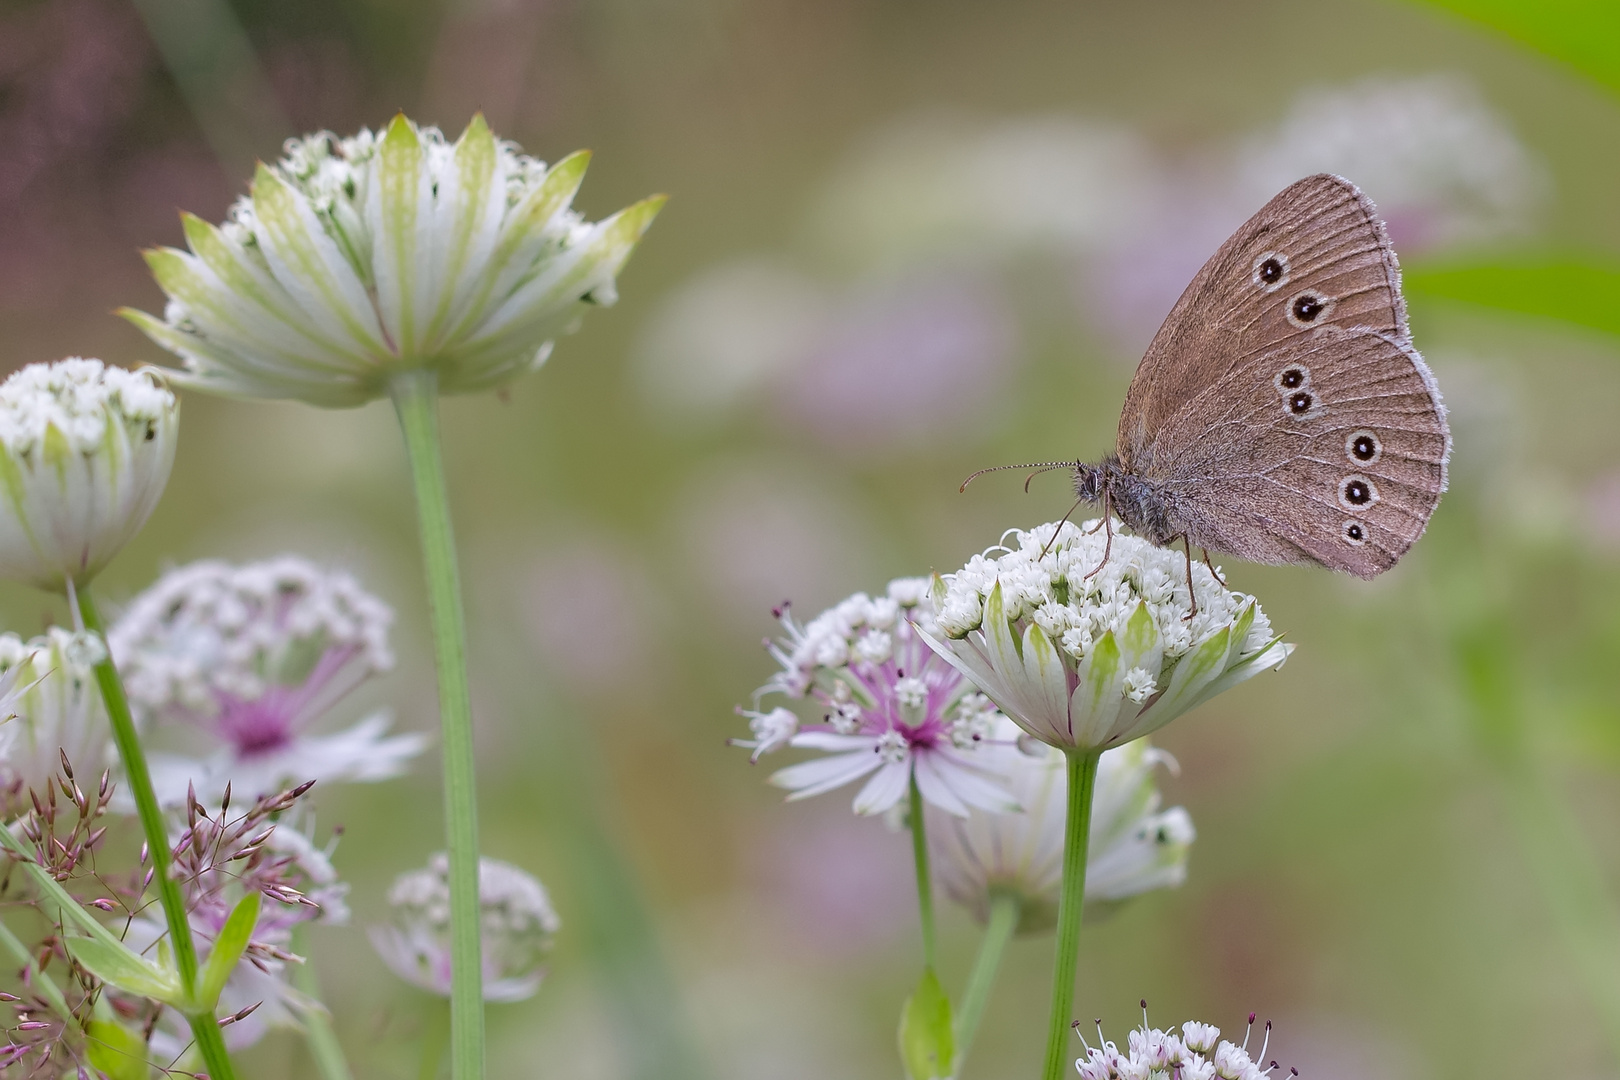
(353, 259)
(890, 708)
(1197, 1053)
(48, 688)
(517, 919)
(1083, 658)
(255, 655)
(85, 450)
(1135, 847)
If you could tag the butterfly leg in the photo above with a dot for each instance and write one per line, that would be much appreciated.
(1216, 573)
(1192, 597)
(1108, 545)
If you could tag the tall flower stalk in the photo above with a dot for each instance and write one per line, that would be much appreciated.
(398, 263)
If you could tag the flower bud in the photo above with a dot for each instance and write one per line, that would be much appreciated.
(55, 708)
(85, 452)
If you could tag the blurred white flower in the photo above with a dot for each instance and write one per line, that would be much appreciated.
(355, 259)
(1135, 847)
(1088, 659)
(86, 450)
(48, 688)
(515, 912)
(255, 655)
(892, 710)
(1197, 1053)
(1441, 165)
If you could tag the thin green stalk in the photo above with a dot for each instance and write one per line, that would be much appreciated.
(416, 401)
(1005, 909)
(323, 1042)
(1076, 835)
(36, 978)
(925, 888)
(136, 775)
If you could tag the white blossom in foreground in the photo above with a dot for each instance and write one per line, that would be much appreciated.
(1134, 848)
(1197, 1053)
(517, 919)
(891, 708)
(255, 655)
(85, 450)
(354, 259)
(48, 688)
(1086, 659)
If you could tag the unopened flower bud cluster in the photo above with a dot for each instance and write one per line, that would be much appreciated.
(79, 398)
(1197, 1053)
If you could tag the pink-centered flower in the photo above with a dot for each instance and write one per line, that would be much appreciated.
(256, 656)
(891, 710)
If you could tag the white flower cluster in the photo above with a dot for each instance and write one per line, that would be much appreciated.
(518, 924)
(1052, 591)
(79, 398)
(57, 707)
(355, 259)
(87, 451)
(210, 632)
(1087, 654)
(1198, 1053)
(857, 629)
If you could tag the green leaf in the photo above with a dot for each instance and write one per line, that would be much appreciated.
(228, 948)
(1585, 34)
(927, 1046)
(117, 1052)
(118, 965)
(1569, 288)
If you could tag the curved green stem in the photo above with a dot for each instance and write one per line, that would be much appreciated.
(1082, 767)
(416, 401)
(925, 889)
(203, 1026)
(1005, 909)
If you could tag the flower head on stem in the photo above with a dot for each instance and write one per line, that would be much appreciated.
(48, 689)
(353, 259)
(891, 709)
(1086, 655)
(1197, 1053)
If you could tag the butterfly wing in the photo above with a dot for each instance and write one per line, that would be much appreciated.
(1315, 256)
(1329, 449)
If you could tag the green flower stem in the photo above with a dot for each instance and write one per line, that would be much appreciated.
(925, 889)
(36, 978)
(416, 401)
(1077, 834)
(136, 775)
(1005, 909)
(318, 1034)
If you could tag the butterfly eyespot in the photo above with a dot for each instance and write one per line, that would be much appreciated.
(1270, 271)
(1354, 533)
(1363, 446)
(1306, 308)
(1292, 378)
(1300, 403)
(1356, 492)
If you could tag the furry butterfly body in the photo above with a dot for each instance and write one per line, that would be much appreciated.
(1281, 414)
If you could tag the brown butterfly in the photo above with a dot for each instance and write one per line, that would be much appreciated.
(1281, 413)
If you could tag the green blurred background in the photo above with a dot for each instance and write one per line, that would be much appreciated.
(905, 241)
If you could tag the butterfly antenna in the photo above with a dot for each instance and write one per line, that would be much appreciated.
(1038, 466)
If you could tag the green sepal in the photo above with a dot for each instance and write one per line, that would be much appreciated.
(117, 965)
(228, 948)
(927, 1042)
(116, 1052)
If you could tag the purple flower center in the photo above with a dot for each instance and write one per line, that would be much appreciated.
(272, 720)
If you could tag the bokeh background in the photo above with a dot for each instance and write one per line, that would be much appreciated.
(905, 241)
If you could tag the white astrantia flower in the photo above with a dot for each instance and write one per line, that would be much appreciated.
(1134, 848)
(256, 655)
(85, 452)
(1083, 658)
(353, 259)
(48, 688)
(890, 709)
(517, 919)
(1197, 1053)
